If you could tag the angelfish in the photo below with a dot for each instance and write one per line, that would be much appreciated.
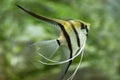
(71, 42)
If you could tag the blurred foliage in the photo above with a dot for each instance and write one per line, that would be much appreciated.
(18, 30)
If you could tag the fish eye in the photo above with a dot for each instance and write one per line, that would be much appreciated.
(82, 26)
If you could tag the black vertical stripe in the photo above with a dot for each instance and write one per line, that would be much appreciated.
(84, 27)
(66, 36)
(63, 75)
(76, 33)
(86, 30)
(58, 42)
(70, 48)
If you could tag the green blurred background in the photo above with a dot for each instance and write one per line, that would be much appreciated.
(17, 30)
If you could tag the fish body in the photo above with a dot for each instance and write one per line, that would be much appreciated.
(72, 37)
